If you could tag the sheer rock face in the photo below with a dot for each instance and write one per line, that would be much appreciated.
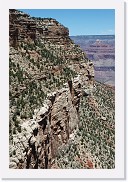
(50, 127)
(23, 27)
(37, 143)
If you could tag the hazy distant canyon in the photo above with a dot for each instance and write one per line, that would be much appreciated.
(60, 117)
(101, 50)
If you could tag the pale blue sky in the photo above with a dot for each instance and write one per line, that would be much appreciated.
(80, 21)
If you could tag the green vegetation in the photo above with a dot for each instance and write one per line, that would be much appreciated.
(41, 63)
(95, 137)
(31, 78)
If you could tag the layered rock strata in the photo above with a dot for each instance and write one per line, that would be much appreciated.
(52, 86)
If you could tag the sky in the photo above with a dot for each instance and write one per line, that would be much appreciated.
(80, 21)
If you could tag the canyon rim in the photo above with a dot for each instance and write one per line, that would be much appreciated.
(60, 117)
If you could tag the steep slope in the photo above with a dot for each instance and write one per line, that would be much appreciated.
(40, 60)
(52, 91)
(92, 144)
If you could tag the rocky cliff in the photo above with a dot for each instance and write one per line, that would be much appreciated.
(54, 98)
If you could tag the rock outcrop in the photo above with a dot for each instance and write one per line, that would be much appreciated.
(51, 126)
(23, 27)
(49, 77)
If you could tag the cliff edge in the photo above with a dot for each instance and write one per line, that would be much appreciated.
(59, 116)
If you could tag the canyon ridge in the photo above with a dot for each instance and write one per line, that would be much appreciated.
(60, 117)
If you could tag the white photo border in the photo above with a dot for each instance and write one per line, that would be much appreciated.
(119, 171)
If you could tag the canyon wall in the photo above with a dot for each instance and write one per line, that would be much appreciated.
(51, 125)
